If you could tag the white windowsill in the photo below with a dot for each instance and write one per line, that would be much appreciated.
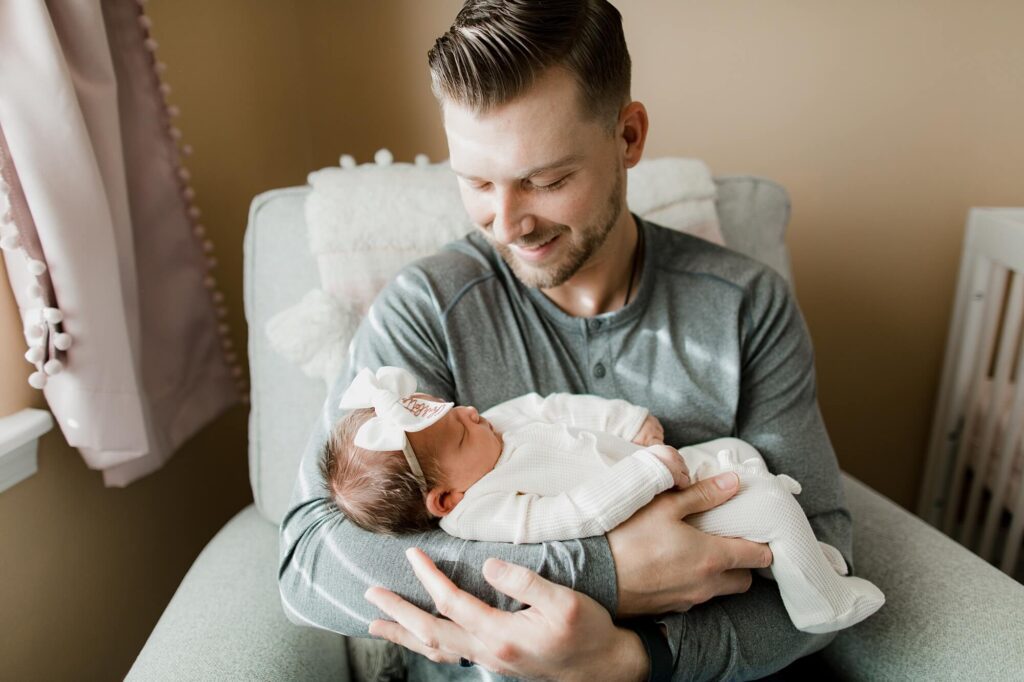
(19, 438)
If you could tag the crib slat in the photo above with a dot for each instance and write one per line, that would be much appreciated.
(964, 333)
(993, 301)
(1000, 382)
(1007, 454)
(1015, 536)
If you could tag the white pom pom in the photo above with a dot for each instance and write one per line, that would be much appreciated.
(184, 174)
(145, 22)
(207, 246)
(194, 213)
(230, 357)
(222, 312)
(160, 67)
(35, 354)
(188, 193)
(37, 380)
(226, 343)
(218, 297)
(383, 157)
(151, 44)
(187, 150)
(223, 328)
(174, 133)
(211, 262)
(198, 230)
(53, 315)
(62, 341)
(35, 331)
(36, 267)
(422, 160)
(347, 161)
(53, 367)
(165, 89)
(10, 242)
(209, 282)
(173, 111)
(34, 290)
(236, 371)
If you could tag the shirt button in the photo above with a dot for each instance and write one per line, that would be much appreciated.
(595, 324)
(599, 370)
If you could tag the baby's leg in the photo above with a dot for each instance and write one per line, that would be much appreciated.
(817, 598)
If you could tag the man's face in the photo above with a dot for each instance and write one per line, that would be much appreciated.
(543, 182)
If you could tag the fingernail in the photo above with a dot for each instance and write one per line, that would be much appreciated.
(494, 569)
(727, 481)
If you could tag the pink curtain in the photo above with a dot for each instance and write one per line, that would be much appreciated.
(103, 246)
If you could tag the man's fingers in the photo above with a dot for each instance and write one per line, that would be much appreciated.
(431, 632)
(706, 494)
(394, 632)
(744, 553)
(733, 582)
(459, 606)
(525, 586)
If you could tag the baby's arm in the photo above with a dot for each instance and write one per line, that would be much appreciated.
(589, 412)
(591, 508)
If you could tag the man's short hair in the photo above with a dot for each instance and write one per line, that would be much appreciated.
(496, 49)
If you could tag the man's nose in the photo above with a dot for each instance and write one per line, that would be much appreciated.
(511, 220)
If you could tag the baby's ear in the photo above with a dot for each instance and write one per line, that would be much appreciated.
(440, 501)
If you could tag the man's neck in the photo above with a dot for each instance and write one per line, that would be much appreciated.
(603, 283)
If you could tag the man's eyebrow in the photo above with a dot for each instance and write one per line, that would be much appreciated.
(536, 170)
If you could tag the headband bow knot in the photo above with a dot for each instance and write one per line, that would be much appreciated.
(389, 392)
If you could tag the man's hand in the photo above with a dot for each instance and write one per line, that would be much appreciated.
(674, 462)
(564, 635)
(664, 564)
(651, 432)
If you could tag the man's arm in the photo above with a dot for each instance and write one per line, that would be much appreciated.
(327, 563)
(749, 635)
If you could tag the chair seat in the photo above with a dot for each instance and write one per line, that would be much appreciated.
(225, 621)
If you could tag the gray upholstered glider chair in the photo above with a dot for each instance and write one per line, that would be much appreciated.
(949, 615)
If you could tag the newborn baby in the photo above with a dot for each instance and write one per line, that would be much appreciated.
(566, 466)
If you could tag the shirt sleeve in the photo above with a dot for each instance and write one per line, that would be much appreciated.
(590, 412)
(750, 635)
(327, 563)
(592, 508)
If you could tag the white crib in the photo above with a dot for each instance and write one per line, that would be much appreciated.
(972, 484)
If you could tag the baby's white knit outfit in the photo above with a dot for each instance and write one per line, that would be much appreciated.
(568, 470)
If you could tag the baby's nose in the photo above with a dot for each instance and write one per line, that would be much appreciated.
(473, 414)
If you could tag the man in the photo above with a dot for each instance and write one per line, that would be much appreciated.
(562, 289)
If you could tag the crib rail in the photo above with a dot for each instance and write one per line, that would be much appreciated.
(971, 485)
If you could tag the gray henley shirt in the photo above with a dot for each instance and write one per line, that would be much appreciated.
(713, 343)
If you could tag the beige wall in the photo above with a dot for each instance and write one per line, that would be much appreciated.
(885, 121)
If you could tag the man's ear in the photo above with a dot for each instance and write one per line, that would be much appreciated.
(440, 501)
(632, 129)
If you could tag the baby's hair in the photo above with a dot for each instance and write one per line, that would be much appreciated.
(377, 491)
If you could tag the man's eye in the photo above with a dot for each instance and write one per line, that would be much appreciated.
(553, 185)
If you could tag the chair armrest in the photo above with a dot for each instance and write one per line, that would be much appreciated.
(948, 614)
(225, 621)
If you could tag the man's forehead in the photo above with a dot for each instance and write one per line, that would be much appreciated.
(538, 129)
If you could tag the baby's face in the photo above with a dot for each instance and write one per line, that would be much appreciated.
(465, 445)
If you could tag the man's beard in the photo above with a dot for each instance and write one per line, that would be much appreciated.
(590, 240)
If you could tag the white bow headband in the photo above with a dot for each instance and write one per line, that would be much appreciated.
(389, 393)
